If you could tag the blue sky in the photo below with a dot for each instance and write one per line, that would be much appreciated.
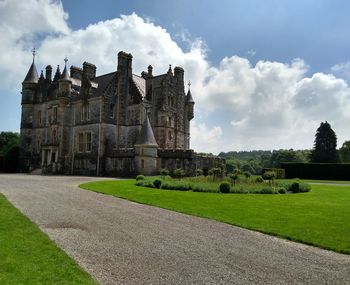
(314, 30)
(264, 73)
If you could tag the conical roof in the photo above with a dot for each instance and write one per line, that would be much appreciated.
(65, 74)
(189, 97)
(32, 75)
(146, 136)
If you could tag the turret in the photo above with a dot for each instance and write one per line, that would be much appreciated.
(29, 89)
(30, 83)
(189, 103)
(65, 83)
(146, 149)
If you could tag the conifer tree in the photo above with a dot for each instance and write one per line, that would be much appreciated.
(325, 147)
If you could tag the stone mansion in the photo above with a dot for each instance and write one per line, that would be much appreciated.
(116, 124)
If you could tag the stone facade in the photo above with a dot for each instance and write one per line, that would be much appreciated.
(116, 124)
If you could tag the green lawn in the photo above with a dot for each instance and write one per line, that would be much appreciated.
(27, 256)
(320, 217)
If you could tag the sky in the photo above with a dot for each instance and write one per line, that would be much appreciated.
(264, 74)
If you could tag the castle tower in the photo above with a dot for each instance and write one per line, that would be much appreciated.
(189, 115)
(65, 83)
(146, 152)
(29, 89)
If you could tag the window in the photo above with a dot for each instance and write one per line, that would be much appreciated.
(54, 135)
(87, 109)
(81, 142)
(53, 157)
(170, 136)
(55, 114)
(142, 164)
(85, 112)
(88, 141)
(38, 146)
(39, 118)
(111, 110)
(82, 112)
(84, 142)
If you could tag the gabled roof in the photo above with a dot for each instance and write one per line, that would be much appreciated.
(146, 136)
(32, 75)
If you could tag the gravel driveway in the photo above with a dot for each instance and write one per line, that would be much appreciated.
(121, 242)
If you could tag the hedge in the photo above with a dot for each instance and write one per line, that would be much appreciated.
(320, 171)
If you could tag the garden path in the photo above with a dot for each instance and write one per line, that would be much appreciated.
(121, 242)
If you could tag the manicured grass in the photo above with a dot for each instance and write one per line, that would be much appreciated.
(320, 217)
(27, 256)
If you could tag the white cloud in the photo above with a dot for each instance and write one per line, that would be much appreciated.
(22, 25)
(206, 139)
(341, 70)
(265, 106)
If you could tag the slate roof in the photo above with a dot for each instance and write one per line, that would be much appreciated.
(146, 136)
(102, 82)
(140, 84)
(65, 74)
(189, 97)
(32, 75)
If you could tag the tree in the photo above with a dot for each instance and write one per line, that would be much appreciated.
(234, 177)
(325, 147)
(269, 175)
(344, 152)
(7, 141)
(164, 172)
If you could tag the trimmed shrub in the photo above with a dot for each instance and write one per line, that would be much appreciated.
(281, 190)
(295, 187)
(198, 172)
(145, 183)
(304, 187)
(157, 183)
(259, 179)
(266, 190)
(176, 185)
(140, 177)
(321, 171)
(224, 187)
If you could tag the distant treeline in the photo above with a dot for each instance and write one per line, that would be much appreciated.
(254, 161)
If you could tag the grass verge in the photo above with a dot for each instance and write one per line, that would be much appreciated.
(319, 217)
(28, 256)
